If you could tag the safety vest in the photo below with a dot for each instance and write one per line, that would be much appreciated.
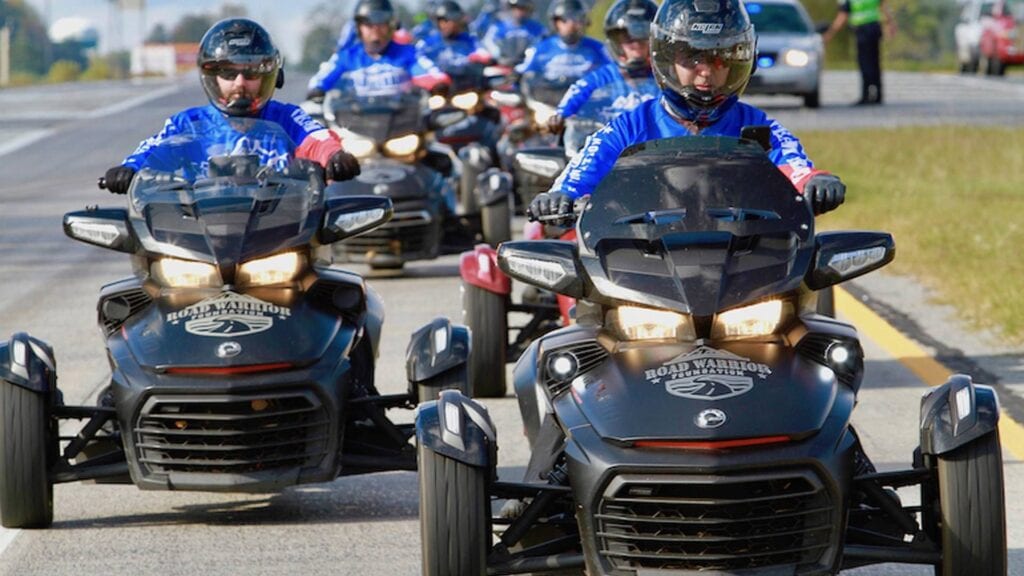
(865, 12)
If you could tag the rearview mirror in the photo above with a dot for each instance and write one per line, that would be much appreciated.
(544, 163)
(548, 264)
(351, 215)
(841, 256)
(103, 227)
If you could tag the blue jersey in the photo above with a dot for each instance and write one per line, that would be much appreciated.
(449, 54)
(423, 29)
(650, 121)
(509, 32)
(390, 73)
(608, 88)
(304, 132)
(553, 59)
(348, 35)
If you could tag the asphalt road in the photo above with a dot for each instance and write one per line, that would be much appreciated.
(54, 142)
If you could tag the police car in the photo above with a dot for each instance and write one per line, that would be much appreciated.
(790, 52)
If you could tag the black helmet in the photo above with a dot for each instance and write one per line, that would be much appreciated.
(690, 32)
(629, 20)
(375, 12)
(448, 10)
(239, 46)
(574, 10)
(524, 4)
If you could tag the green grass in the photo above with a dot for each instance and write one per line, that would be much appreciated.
(952, 197)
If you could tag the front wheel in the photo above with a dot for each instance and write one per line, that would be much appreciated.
(454, 516)
(26, 493)
(486, 315)
(973, 510)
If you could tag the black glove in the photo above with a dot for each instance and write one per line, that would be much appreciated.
(826, 193)
(342, 166)
(556, 123)
(550, 204)
(316, 95)
(118, 179)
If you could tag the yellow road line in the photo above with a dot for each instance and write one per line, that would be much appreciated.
(918, 360)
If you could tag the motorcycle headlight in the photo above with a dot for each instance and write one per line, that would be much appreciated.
(796, 58)
(636, 323)
(436, 102)
(466, 100)
(358, 146)
(176, 273)
(761, 319)
(270, 270)
(402, 146)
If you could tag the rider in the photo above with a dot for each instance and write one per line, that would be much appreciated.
(514, 25)
(567, 55)
(451, 47)
(239, 69)
(703, 59)
(376, 65)
(630, 80)
(426, 28)
(487, 16)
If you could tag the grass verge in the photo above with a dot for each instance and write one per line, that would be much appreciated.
(953, 198)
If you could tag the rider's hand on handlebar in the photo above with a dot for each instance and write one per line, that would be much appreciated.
(316, 95)
(342, 166)
(118, 179)
(556, 123)
(550, 204)
(826, 192)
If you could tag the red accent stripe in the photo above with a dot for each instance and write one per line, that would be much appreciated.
(226, 370)
(713, 445)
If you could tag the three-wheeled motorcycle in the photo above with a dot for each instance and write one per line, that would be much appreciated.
(229, 237)
(697, 417)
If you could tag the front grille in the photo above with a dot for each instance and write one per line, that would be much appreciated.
(706, 523)
(116, 309)
(814, 347)
(232, 434)
(412, 231)
(589, 354)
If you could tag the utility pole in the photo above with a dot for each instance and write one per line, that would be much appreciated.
(5, 56)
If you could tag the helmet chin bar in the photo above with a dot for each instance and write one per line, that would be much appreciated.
(240, 107)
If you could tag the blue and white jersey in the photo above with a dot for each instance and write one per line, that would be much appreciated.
(650, 121)
(392, 72)
(508, 32)
(608, 88)
(553, 59)
(348, 35)
(219, 133)
(449, 54)
(423, 30)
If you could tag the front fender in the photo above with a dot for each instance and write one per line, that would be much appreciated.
(436, 348)
(479, 267)
(493, 186)
(29, 363)
(955, 414)
(459, 428)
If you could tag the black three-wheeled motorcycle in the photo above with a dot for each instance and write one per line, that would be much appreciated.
(241, 360)
(696, 418)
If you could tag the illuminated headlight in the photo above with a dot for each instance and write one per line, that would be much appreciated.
(436, 102)
(542, 113)
(177, 273)
(796, 58)
(544, 272)
(847, 263)
(838, 354)
(759, 319)
(636, 323)
(355, 220)
(402, 146)
(271, 270)
(466, 100)
(538, 165)
(97, 233)
(358, 146)
(562, 366)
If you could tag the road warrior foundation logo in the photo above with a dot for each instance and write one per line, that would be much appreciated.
(228, 315)
(707, 374)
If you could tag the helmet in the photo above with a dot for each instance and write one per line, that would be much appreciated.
(239, 46)
(690, 32)
(574, 10)
(629, 20)
(448, 10)
(524, 4)
(375, 12)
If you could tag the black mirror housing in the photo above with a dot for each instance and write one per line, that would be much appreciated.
(842, 256)
(351, 215)
(104, 227)
(550, 264)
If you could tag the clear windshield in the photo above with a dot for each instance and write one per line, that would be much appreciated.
(226, 190)
(696, 225)
(376, 117)
(512, 49)
(550, 92)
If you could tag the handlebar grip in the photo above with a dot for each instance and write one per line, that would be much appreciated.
(101, 182)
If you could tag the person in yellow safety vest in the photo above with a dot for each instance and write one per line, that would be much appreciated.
(865, 17)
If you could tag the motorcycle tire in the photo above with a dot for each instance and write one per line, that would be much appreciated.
(496, 222)
(487, 317)
(973, 509)
(26, 493)
(455, 518)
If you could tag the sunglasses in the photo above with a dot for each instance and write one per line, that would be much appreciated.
(231, 74)
(691, 60)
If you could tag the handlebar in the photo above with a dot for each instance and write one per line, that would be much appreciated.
(101, 182)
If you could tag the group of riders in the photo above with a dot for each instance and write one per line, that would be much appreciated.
(700, 54)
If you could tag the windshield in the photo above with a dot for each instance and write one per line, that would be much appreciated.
(550, 92)
(376, 117)
(695, 225)
(226, 191)
(512, 49)
(777, 19)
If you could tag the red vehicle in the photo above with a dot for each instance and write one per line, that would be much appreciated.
(1002, 38)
